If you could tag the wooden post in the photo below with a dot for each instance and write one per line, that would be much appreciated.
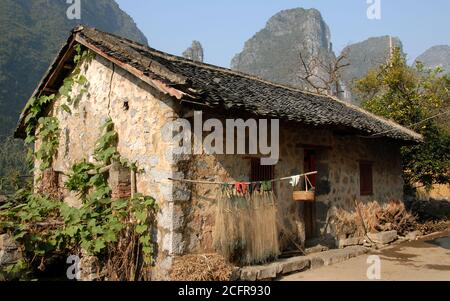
(133, 183)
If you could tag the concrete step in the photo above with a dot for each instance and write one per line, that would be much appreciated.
(298, 264)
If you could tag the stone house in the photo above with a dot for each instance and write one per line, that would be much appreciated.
(356, 154)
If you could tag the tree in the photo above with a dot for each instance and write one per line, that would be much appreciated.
(417, 98)
(14, 170)
(330, 82)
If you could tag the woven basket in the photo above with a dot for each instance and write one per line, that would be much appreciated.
(304, 196)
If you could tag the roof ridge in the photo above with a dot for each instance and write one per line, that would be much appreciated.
(380, 118)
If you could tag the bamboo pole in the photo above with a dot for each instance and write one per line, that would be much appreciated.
(248, 183)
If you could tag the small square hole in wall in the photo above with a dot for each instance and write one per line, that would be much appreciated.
(126, 105)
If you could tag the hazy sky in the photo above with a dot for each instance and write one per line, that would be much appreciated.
(223, 26)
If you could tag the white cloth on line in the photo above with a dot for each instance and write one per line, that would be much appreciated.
(295, 180)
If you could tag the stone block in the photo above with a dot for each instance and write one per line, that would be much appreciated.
(165, 217)
(160, 175)
(355, 241)
(336, 257)
(236, 274)
(269, 272)
(296, 264)
(316, 262)
(9, 257)
(383, 237)
(178, 244)
(6, 243)
(413, 235)
(249, 274)
(181, 194)
(171, 217)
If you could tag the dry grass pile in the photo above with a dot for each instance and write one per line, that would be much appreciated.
(433, 226)
(208, 267)
(377, 218)
(246, 227)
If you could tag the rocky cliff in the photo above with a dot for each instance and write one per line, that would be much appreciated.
(436, 56)
(274, 52)
(364, 56)
(195, 52)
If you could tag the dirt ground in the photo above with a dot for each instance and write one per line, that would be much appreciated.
(424, 260)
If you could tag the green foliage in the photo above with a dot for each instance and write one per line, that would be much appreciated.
(14, 170)
(79, 179)
(24, 216)
(49, 134)
(48, 127)
(106, 148)
(45, 227)
(76, 77)
(413, 96)
(36, 107)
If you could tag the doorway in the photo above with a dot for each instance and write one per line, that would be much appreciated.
(309, 209)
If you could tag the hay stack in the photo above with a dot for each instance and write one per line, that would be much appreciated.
(246, 227)
(208, 267)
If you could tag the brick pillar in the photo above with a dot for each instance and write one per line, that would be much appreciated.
(120, 181)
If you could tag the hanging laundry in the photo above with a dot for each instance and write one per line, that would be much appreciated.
(241, 187)
(266, 186)
(244, 187)
(295, 180)
(257, 187)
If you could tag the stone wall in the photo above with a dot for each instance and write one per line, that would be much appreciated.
(338, 183)
(138, 112)
(10, 253)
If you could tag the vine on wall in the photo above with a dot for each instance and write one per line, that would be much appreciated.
(49, 134)
(117, 231)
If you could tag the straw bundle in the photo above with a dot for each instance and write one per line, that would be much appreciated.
(203, 267)
(377, 218)
(246, 227)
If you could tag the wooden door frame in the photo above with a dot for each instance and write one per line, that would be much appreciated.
(309, 208)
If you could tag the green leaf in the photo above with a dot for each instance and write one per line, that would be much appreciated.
(66, 108)
(99, 245)
(145, 240)
(141, 216)
(110, 236)
(140, 229)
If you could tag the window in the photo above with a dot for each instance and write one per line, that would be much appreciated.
(261, 172)
(366, 178)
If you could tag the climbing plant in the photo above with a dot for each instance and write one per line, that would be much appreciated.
(48, 127)
(36, 107)
(106, 147)
(49, 133)
(76, 77)
(118, 231)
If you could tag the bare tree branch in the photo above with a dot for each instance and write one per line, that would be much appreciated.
(330, 84)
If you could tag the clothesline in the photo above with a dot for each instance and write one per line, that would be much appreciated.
(247, 183)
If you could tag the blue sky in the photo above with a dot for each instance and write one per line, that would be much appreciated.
(223, 26)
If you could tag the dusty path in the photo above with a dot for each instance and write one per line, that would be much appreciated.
(420, 260)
